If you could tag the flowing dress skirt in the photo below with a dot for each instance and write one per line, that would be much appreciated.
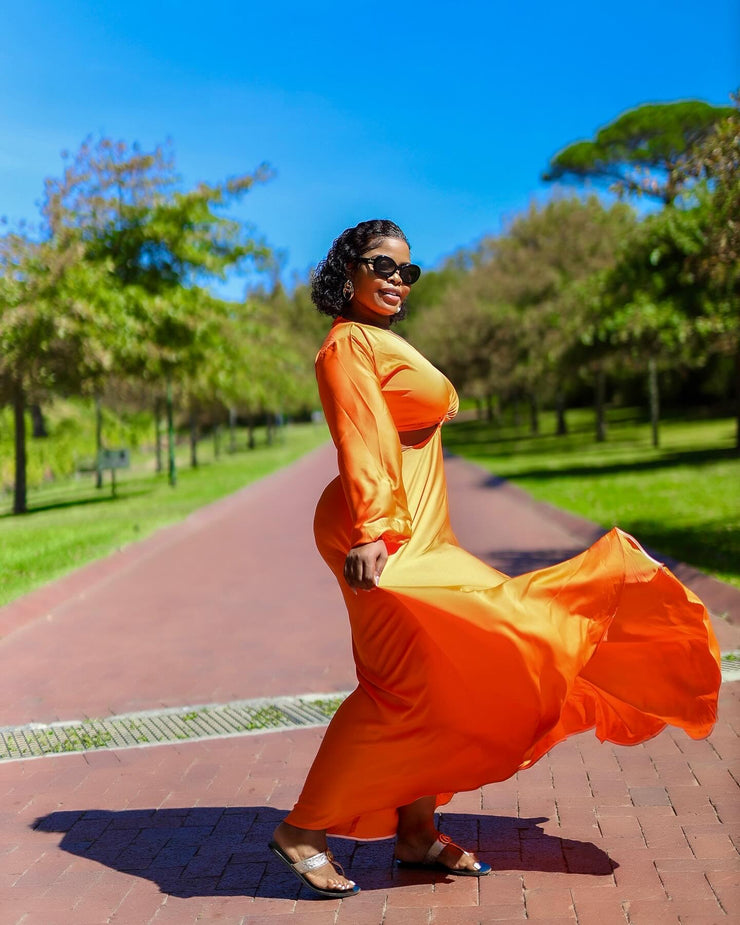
(467, 676)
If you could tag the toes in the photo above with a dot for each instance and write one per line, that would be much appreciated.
(334, 883)
(463, 860)
(340, 885)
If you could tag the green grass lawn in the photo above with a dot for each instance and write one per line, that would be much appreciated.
(71, 523)
(682, 499)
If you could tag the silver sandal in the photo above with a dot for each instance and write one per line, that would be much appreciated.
(430, 862)
(300, 868)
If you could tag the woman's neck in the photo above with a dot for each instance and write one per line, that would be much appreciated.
(350, 313)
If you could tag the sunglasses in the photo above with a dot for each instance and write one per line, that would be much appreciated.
(386, 266)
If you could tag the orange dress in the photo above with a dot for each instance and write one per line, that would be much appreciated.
(465, 675)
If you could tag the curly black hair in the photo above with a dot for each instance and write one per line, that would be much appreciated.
(332, 272)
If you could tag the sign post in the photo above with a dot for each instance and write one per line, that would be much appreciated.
(113, 459)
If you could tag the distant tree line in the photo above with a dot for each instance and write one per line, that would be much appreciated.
(108, 298)
(577, 295)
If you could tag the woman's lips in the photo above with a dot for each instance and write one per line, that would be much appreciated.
(390, 296)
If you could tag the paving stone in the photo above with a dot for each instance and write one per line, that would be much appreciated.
(609, 911)
(550, 905)
(712, 846)
(460, 915)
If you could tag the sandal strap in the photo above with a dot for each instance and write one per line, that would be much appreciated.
(334, 863)
(438, 846)
(307, 864)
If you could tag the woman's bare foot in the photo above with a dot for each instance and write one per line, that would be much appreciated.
(416, 834)
(299, 844)
(414, 849)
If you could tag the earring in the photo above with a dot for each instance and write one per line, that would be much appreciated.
(348, 290)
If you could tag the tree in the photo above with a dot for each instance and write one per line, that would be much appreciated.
(471, 338)
(253, 363)
(544, 252)
(655, 309)
(49, 340)
(512, 329)
(112, 282)
(641, 150)
(162, 243)
(715, 166)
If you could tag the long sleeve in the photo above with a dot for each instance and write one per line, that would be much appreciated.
(368, 448)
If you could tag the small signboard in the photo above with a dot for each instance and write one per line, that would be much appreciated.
(113, 459)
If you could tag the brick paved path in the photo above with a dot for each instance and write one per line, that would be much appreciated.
(235, 603)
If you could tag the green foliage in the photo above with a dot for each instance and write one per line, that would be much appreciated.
(657, 302)
(639, 151)
(715, 163)
(48, 300)
(159, 243)
(433, 285)
(70, 444)
(512, 311)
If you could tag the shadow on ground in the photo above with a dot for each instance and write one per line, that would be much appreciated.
(220, 851)
(105, 497)
(517, 561)
(667, 460)
(709, 546)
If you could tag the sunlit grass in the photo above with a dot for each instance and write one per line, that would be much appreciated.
(71, 523)
(682, 499)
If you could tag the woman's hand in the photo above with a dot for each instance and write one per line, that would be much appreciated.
(364, 565)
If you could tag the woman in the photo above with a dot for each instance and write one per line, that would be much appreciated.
(465, 676)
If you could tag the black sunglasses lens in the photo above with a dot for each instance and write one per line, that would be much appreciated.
(409, 273)
(384, 266)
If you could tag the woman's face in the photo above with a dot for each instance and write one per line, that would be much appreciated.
(377, 300)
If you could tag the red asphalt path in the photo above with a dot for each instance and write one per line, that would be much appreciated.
(235, 603)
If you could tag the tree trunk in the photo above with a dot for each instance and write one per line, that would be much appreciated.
(737, 397)
(479, 409)
(98, 441)
(38, 424)
(561, 428)
(654, 393)
(171, 464)
(270, 422)
(599, 405)
(193, 438)
(232, 430)
(493, 409)
(534, 414)
(158, 432)
(19, 489)
(250, 432)
(217, 441)
(517, 414)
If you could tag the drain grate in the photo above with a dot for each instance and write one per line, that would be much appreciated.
(157, 727)
(730, 666)
(241, 717)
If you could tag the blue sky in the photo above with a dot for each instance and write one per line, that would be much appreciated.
(439, 115)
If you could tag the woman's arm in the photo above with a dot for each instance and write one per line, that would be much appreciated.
(368, 451)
